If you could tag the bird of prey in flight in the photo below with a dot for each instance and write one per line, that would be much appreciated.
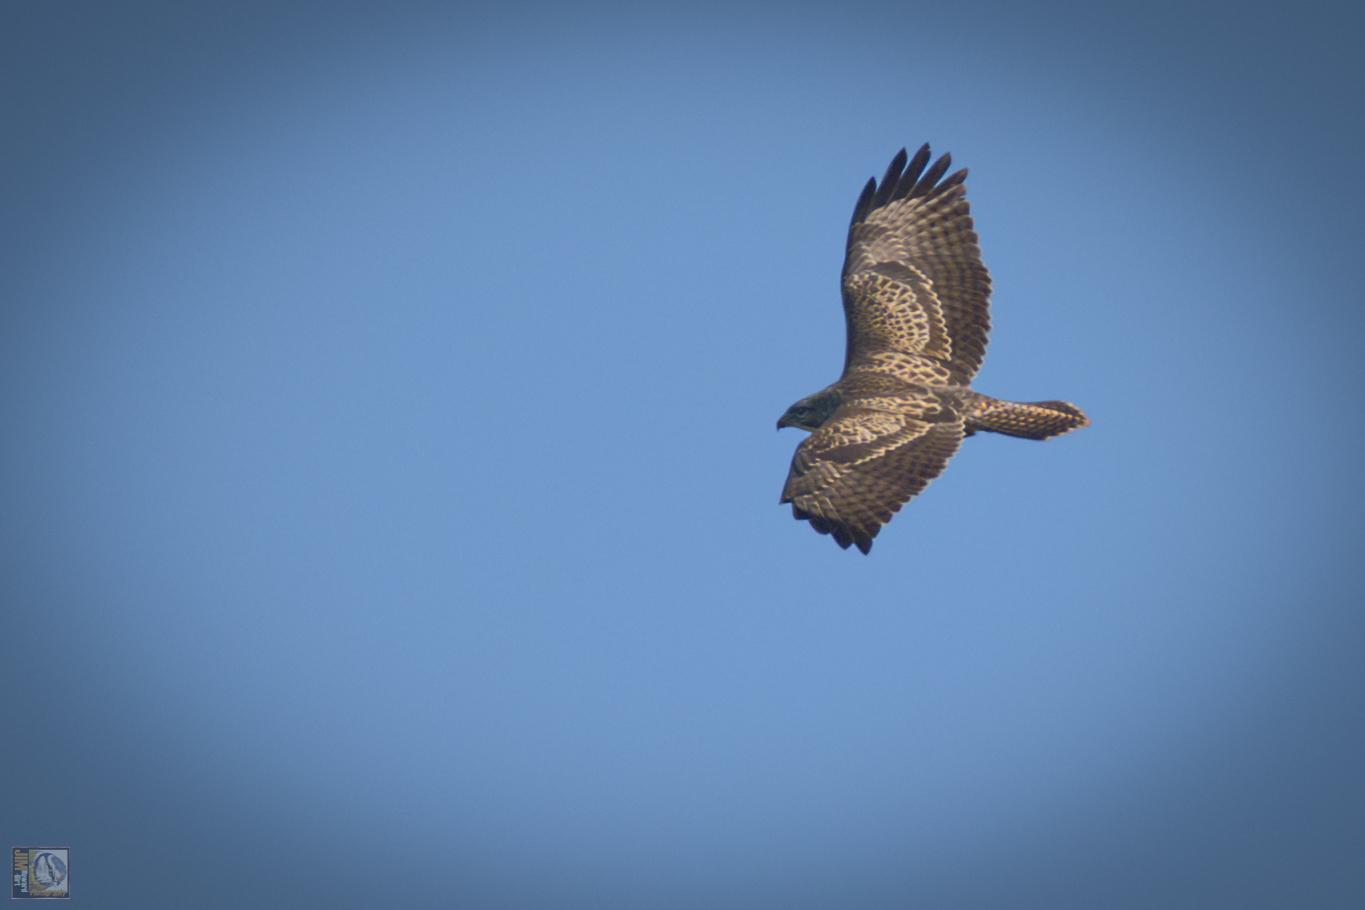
(916, 306)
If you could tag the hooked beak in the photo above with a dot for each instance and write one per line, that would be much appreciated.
(782, 422)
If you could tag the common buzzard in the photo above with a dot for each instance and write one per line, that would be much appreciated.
(916, 305)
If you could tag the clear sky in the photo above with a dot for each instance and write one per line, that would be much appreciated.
(389, 509)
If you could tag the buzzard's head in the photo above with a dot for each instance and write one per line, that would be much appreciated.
(810, 413)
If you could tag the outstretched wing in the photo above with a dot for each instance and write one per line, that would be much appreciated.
(916, 296)
(850, 476)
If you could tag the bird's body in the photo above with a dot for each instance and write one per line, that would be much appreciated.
(916, 303)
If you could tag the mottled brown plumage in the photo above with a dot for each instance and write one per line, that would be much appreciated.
(916, 306)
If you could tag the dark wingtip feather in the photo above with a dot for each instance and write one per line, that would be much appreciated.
(891, 179)
(864, 203)
(956, 178)
(925, 184)
(912, 172)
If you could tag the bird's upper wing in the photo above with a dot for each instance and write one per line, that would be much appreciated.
(916, 296)
(852, 474)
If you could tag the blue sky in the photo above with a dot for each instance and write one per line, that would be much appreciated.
(390, 485)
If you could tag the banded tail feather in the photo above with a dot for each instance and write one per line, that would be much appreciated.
(1024, 419)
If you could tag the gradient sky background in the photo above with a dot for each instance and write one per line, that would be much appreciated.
(389, 509)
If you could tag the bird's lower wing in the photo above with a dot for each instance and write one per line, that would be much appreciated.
(850, 476)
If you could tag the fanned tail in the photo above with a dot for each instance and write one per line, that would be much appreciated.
(1025, 419)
